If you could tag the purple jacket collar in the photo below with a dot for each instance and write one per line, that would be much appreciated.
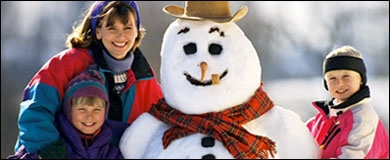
(100, 148)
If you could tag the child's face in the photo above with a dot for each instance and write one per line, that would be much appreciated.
(118, 38)
(342, 83)
(87, 119)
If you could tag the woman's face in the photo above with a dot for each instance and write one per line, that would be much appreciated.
(118, 38)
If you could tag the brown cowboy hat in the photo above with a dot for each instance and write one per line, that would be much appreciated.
(217, 11)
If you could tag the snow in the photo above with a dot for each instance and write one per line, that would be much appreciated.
(238, 57)
(292, 138)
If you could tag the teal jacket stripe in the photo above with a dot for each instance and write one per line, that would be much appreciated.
(146, 78)
(128, 101)
(37, 117)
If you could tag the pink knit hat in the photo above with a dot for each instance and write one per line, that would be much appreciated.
(88, 83)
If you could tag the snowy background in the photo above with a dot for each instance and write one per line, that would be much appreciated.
(292, 38)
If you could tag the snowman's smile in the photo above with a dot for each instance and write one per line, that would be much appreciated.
(196, 82)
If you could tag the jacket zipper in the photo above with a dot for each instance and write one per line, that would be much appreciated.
(335, 133)
(332, 128)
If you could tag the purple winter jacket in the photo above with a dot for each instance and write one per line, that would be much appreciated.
(101, 147)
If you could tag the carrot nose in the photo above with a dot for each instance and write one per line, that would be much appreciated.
(203, 67)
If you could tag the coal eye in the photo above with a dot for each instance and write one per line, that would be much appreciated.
(190, 48)
(215, 49)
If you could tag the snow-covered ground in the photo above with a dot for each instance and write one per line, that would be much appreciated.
(297, 95)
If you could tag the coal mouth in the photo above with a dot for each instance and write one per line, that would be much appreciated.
(196, 82)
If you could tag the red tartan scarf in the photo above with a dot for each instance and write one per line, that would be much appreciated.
(224, 126)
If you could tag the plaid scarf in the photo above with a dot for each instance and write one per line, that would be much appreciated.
(224, 126)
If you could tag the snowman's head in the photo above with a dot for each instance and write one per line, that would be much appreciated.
(225, 54)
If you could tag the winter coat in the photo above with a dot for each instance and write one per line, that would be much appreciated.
(45, 92)
(353, 132)
(99, 149)
(70, 145)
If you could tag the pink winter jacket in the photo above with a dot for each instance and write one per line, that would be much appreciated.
(357, 132)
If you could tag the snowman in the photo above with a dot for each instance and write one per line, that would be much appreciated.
(214, 105)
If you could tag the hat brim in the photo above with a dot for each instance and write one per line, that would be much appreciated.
(178, 12)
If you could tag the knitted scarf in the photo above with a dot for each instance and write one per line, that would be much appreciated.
(225, 126)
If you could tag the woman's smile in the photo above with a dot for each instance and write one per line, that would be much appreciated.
(119, 44)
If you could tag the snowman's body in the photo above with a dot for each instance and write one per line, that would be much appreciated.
(144, 138)
(229, 54)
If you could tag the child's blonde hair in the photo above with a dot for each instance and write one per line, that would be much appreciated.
(83, 36)
(89, 101)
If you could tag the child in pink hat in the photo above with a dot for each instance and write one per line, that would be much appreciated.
(84, 133)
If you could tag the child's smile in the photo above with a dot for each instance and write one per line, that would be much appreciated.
(342, 83)
(87, 119)
(88, 124)
(341, 91)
